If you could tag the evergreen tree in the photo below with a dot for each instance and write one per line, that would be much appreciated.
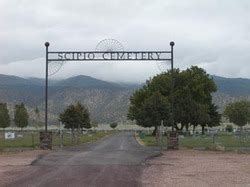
(21, 117)
(37, 112)
(37, 116)
(4, 116)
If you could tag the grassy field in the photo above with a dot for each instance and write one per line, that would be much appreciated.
(229, 141)
(31, 139)
(83, 138)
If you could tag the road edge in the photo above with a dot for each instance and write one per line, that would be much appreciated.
(138, 139)
(141, 143)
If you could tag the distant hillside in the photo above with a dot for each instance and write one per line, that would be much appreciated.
(13, 80)
(82, 81)
(233, 86)
(106, 101)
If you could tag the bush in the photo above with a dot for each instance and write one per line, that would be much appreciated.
(113, 125)
(229, 128)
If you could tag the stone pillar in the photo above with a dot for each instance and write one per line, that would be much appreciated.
(173, 140)
(45, 140)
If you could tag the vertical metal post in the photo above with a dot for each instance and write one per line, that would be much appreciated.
(46, 88)
(33, 141)
(61, 135)
(172, 84)
(161, 133)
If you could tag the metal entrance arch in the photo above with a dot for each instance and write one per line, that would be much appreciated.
(109, 55)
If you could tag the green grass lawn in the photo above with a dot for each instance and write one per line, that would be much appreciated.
(230, 142)
(30, 139)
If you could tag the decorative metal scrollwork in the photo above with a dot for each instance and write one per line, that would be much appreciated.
(109, 45)
(54, 67)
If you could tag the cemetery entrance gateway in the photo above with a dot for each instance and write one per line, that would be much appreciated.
(109, 55)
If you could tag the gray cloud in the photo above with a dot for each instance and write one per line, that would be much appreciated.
(212, 34)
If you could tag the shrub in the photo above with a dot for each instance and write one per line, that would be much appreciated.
(229, 128)
(113, 125)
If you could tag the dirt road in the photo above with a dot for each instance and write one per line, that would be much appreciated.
(113, 161)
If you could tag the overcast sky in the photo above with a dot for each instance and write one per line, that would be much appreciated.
(213, 34)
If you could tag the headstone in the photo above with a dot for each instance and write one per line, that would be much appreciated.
(45, 140)
(19, 135)
(173, 140)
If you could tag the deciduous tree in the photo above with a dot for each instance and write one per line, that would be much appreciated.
(191, 97)
(238, 113)
(75, 117)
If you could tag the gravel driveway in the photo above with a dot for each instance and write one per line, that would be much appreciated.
(14, 164)
(197, 168)
(112, 161)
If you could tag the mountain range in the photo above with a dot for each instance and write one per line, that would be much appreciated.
(106, 101)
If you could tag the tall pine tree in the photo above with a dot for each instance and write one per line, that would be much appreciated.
(4, 116)
(21, 117)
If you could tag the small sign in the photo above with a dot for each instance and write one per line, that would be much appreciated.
(106, 55)
(9, 135)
